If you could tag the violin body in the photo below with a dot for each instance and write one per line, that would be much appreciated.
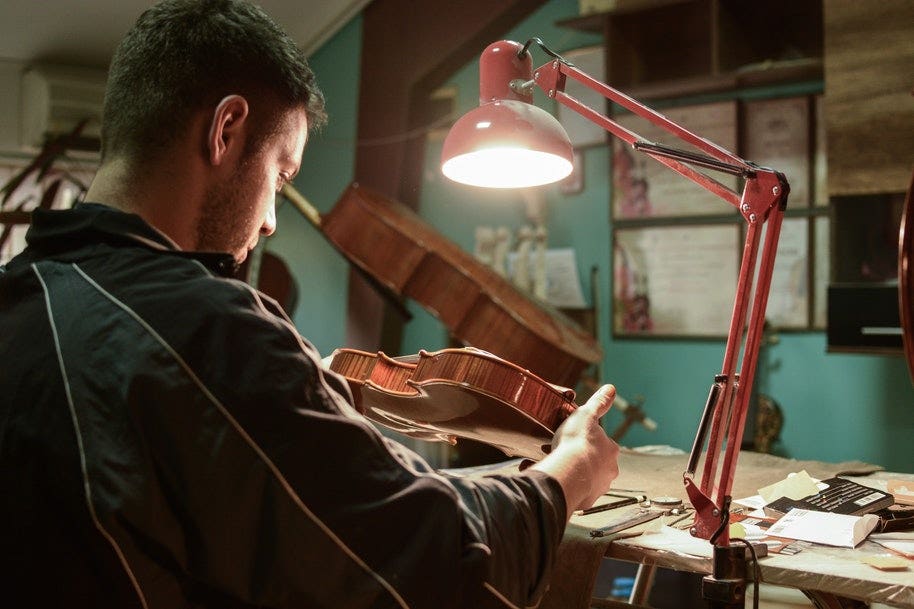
(479, 307)
(457, 393)
(497, 396)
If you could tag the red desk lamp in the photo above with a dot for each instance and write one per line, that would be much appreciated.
(507, 142)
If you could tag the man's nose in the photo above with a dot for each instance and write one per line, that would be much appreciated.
(269, 221)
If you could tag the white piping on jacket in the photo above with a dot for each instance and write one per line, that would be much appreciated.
(248, 439)
(79, 442)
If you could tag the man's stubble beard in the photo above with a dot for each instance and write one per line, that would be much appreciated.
(221, 226)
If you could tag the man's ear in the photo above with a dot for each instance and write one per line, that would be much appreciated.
(225, 129)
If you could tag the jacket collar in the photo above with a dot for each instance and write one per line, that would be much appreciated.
(59, 231)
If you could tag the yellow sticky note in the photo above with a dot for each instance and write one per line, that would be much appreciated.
(794, 486)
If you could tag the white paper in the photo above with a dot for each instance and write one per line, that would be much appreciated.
(752, 531)
(670, 539)
(899, 541)
(563, 287)
(826, 528)
(905, 548)
(755, 504)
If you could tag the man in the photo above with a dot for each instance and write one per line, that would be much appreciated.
(167, 439)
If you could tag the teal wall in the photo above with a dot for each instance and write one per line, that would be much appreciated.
(321, 274)
(578, 221)
(837, 407)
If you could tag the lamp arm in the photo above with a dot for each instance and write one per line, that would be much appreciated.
(551, 78)
(762, 202)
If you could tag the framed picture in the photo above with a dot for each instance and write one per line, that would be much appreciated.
(675, 280)
(582, 132)
(790, 296)
(777, 136)
(820, 155)
(645, 188)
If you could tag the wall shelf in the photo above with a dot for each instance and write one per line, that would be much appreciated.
(703, 46)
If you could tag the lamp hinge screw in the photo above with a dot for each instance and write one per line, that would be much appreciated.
(745, 207)
(751, 217)
(693, 532)
(715, 513)
(775, 190)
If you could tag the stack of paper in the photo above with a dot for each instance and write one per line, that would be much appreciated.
(824, 527)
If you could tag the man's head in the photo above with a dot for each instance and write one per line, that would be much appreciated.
(207, 111)
(184, 55)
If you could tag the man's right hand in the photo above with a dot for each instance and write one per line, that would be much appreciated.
(584, 459)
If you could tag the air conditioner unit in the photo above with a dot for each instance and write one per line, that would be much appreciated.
(55, 99)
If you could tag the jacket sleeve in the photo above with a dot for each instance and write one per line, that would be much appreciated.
(282, 495)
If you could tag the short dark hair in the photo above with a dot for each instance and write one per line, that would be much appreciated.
(184, 55)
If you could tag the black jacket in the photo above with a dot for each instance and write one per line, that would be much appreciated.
(167, 439)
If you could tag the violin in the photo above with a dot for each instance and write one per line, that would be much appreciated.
(457, 393)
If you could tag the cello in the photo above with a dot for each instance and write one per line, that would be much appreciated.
(270, 274)
(393, 245)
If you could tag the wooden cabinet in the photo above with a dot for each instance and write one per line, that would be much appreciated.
(675, 48)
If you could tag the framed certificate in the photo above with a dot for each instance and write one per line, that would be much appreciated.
(789, 298)
(777, 135)
(645, 188)
(677, 247)
(820, 156)
(677, 280)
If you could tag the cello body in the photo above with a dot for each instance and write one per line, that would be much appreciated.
(480, 308)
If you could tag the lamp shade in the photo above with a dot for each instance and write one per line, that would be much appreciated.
(507, 144)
